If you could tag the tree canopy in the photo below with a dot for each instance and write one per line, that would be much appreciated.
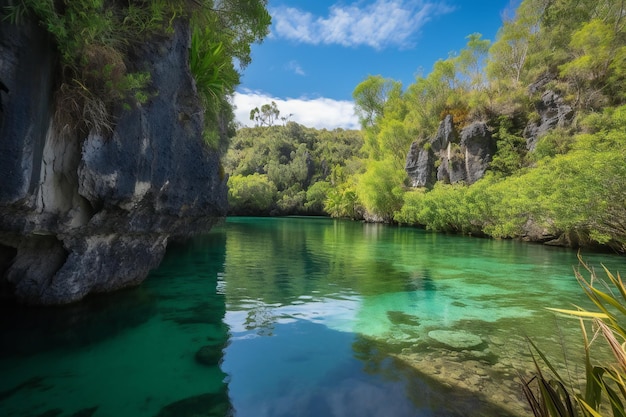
(568, 184)
(300, 164)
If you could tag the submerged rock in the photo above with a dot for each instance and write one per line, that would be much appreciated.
(456, 339)
(85, 412)
(92, 214)
(402, 318)
(210, 355)
(203, 405)
(53, 412)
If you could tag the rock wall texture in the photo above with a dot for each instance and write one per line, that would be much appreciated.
(553, 112)
(94, 214)
(450, 157)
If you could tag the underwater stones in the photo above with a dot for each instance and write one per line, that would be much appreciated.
(85, 412)
(203, 405)
(209, 355)
(54, 412)
(456, 339)
(402, 318)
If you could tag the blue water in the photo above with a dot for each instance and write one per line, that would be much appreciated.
(301, 317)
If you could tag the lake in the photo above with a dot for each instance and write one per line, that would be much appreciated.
(303, 317)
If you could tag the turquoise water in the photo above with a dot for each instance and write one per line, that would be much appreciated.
(301, 317)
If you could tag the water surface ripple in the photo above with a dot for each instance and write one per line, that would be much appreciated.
(302, 317)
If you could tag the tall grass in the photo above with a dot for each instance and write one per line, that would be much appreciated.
(604, 391)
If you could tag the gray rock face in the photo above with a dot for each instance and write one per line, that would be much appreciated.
(452, 167)
(420, 161)
(27, 69)
(419, 166)
(464, 160)
(446, 134)
(553, 113)
(95, 214)
(479, 148)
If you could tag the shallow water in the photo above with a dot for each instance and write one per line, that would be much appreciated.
(301, 317)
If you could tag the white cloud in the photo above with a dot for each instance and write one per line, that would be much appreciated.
(379, 24)
(320, 113)
(295, 67)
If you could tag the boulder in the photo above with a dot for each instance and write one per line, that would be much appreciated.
(456, 339)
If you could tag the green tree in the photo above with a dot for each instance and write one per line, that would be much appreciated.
(394, 141)
(266, 116)
(516, 39)
(511, 153)
(294, 159)
(598, 63)
(316, 195)
(431, 97)
(380, 189)
(370, 97)
(342, 201)
(471, 61)
(250, 194)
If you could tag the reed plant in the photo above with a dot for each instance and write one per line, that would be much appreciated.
(603, 391)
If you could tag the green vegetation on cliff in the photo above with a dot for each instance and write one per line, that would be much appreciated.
(579, 193)
(96, 39)
(550, 90)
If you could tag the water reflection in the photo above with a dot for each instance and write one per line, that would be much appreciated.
(284, 317)
(422, 307)
(429, 396)
(26, 330)
(153, 350)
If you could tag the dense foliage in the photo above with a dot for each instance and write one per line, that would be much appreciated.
(95, 38)
(287, 169)
(570, 185)
(581, 193)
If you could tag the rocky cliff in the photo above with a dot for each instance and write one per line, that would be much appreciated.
(553, 112)
(451, 157)
(80, 215)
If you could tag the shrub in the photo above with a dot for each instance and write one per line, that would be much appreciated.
(315, 197)
(251, 194)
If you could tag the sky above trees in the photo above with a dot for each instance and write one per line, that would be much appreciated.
(319, 51)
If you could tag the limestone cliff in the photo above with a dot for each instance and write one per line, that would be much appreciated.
(95, 213)
(450, 157)
(553, 112)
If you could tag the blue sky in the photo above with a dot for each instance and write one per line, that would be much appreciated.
(318, 51)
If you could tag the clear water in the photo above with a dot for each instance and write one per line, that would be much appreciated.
(302, 317)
